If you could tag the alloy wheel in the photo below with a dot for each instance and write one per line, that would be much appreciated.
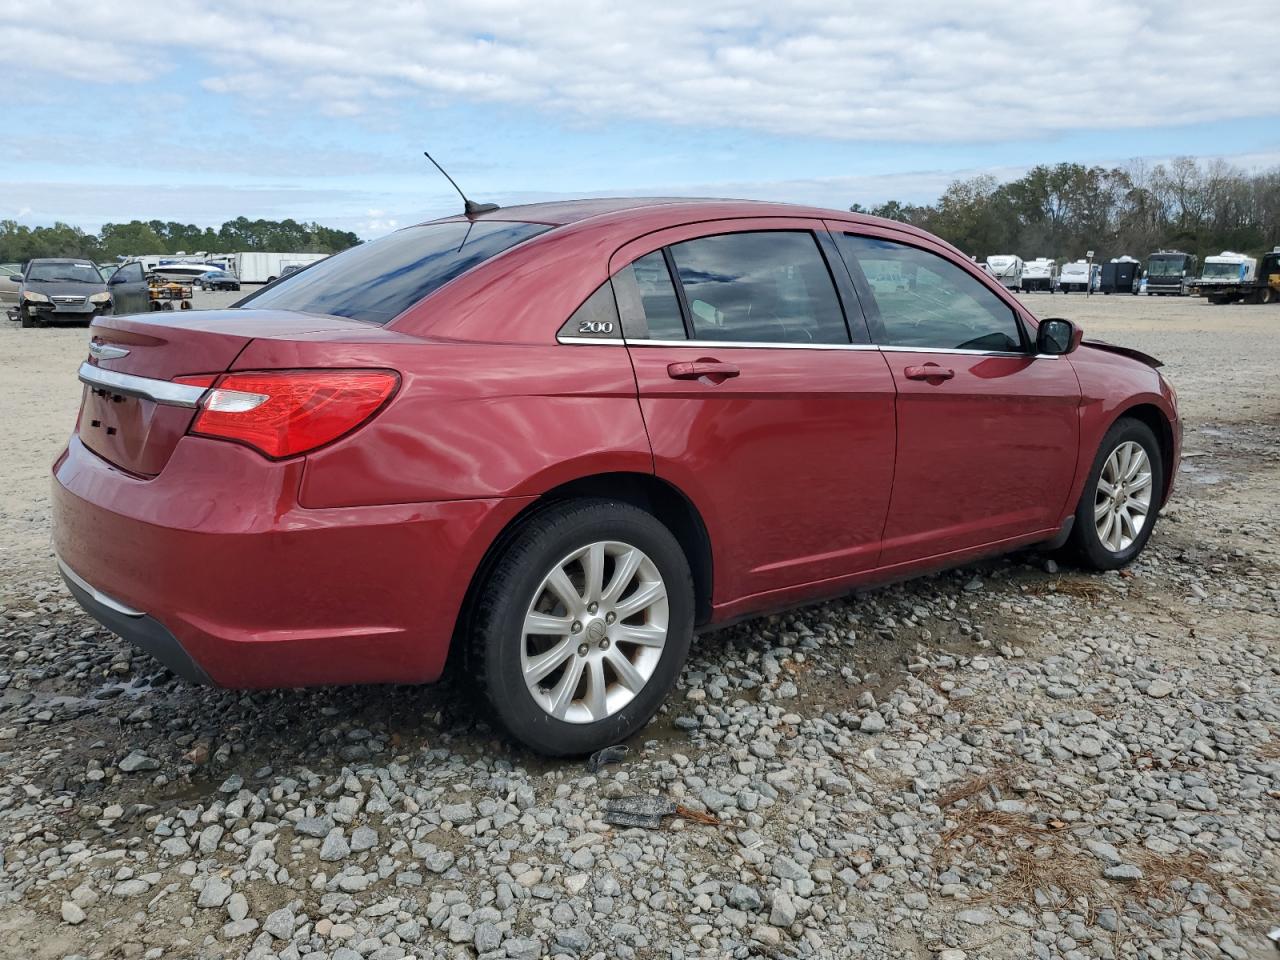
(1122, 503)
(594, 632)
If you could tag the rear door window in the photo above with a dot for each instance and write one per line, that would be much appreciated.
(647, 300)
(759, 287)
(378, 281)
(928, 302)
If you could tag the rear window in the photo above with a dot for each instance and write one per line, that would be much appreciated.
(378, 281)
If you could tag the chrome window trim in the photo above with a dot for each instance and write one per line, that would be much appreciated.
(770, 345)
(159, 391)
(109, 602)
(972, 353)
(743, 344)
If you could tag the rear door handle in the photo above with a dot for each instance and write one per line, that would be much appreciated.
(930, 371)
(713, 370)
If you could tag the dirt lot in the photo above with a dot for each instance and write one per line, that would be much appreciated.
(1012, 760)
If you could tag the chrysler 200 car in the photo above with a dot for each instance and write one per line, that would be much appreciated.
(561, 438)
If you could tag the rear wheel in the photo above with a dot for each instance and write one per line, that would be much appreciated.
(1118, 506)
(580, 629)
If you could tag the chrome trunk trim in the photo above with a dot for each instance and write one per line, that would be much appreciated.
(159, 391)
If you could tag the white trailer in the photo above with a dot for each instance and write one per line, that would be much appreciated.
(1081, 276)
(1040, 274)
(1007, 269)
(258, 266)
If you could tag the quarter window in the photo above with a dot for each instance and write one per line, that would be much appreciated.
(596, 319)
(764, 287)
(647, 300)
(924, 300)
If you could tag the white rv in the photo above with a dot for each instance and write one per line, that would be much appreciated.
(1080, 276)
(1007, 269)
(1040, 274)
(261, 267)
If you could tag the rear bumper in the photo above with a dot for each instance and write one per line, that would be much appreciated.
(214, 569)
(146, 633)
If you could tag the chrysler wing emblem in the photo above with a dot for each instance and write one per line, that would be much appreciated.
(104, 351)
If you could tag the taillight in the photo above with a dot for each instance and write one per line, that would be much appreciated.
(288, 412)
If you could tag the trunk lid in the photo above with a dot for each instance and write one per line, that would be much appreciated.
(138, 434)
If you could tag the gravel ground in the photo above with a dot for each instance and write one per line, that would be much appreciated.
(1013, 760)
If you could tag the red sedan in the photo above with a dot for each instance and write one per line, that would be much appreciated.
(566, 436)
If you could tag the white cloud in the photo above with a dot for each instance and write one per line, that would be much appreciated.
(924, 71)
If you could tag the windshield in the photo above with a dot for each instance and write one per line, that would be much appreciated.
(1166, 266)
(378, 281)
(1222, 271)
(81, 272)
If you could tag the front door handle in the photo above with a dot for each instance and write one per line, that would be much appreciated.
(714, 370)
(930, 371)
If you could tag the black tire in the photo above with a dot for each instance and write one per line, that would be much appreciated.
(496, 623)
(1085, 541)
(29, 321)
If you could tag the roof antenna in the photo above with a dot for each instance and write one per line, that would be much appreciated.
(469, 207)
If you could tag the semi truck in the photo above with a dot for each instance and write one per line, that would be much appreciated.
(1007, 269)
(1171, 273)
(261, 267)
(1040, 274)
(1236, 278)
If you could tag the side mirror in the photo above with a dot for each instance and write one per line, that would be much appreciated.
(1056, 336)
(114, 279)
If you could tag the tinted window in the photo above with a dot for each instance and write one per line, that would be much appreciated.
(129, 273)
(768, 287)
(647, 300)
(926, 301)
(380, 280)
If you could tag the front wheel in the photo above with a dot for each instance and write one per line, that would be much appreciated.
(580, 629)
(1121, 497)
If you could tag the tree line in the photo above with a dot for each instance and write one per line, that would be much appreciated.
(19, 243)
(1065, 210)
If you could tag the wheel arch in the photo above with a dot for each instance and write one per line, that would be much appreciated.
(658, 497)
(1162, 427)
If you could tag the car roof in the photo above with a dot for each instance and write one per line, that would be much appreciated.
(62, 260)
(673, 210)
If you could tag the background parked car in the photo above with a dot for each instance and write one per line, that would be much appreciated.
(217, 280)
(10, 281)
(61, 290)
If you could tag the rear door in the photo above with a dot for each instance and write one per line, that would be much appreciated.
(762, 401)
(988, 432)
(128, 287)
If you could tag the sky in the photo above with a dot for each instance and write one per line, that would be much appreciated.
(320, 109)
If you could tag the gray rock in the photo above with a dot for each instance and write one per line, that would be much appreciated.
(873, 722)
(280, 923)
(138, 761)
(71, 913)
(215, 893)
(742, 897)
(782, 911)
(363, 838)
(1123, 871)
(335, 846)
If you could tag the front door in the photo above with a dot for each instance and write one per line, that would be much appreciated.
(759, 401)
(988, 432)
(128, 287)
